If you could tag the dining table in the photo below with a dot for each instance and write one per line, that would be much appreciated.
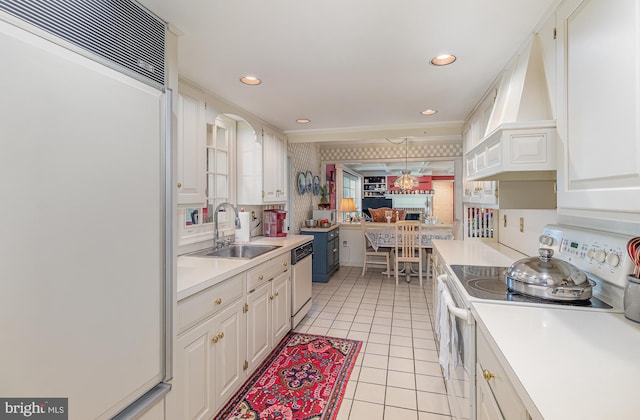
(383, 235)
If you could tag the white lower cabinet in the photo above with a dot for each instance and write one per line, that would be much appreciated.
(224, 333)
(209, 363)
(496, 398)
(154, 413)
(258, 325)
(487, 407)
(209, 351)
(281, 304)
(230, 329)
(268, 317)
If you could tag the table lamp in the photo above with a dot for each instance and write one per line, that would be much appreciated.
(347, 205)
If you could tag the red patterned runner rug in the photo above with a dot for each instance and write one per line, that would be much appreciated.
(303, 378)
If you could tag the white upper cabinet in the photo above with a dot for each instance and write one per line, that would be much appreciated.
(192, 136)
(598, 109)
(514, 153)
(249, 165)
(274, 166)
(511, 135)
(261, 165)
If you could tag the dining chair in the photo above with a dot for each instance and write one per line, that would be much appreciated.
(408, 250)
(371, 256)
(455, 227)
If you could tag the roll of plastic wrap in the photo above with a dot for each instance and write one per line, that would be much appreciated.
(243, 234)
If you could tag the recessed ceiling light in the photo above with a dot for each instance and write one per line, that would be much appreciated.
(250, 80)
(303, 121)
(443, 60)
(429, 112)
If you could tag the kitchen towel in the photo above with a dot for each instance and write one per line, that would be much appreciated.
(443, 329)
(446, 331)
(243, 234)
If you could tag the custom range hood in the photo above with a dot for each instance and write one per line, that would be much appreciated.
(518, 139)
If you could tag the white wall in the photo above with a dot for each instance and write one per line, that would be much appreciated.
(533, 222)
(352, 254)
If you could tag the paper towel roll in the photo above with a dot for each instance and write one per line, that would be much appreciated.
(243, 234)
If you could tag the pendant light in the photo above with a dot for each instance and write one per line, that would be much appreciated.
(406, 181)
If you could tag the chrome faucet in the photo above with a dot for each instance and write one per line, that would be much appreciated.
(216, 242)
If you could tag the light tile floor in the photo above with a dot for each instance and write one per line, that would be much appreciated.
(397, 375)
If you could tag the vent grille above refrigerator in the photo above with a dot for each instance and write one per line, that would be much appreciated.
(120, 31)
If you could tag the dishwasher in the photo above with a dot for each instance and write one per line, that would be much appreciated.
(301, 257)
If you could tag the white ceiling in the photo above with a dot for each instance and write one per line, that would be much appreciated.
(349, 63)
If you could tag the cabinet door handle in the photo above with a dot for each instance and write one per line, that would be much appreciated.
(487, 375)
(218, 301)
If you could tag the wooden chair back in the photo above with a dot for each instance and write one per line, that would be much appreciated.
(408, 235)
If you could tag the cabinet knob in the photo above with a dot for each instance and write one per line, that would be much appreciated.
(487, 375)
(260, 277)
(215, 339)
(220, 334)
(179, 184)
(285, 263)
(276, 293)
(218, 301)
(271, 297)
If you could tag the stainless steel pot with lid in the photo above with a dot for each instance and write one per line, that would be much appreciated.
(549, 278)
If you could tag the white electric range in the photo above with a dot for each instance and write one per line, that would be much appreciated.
(602, 255)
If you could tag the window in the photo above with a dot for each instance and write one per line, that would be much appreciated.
(352, 188)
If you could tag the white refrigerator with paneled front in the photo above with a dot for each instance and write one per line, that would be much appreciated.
(85, 258)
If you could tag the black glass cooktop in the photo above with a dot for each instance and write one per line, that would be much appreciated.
(491, 283)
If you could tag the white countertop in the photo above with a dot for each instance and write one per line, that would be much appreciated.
(476, 252)
(572, 364)
(565, 363)
(198, 273)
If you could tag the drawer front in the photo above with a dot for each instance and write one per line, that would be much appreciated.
(505, 395)
(261, 274)
(206, 303)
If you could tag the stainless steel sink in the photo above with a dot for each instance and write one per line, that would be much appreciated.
(241, 251)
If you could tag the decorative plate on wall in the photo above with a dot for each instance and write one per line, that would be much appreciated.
(302, 183)
(309, 182)
(316, 185)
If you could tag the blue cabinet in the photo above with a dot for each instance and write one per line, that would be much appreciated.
(326, 252)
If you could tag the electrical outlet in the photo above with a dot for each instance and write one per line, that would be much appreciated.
(344, 243)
